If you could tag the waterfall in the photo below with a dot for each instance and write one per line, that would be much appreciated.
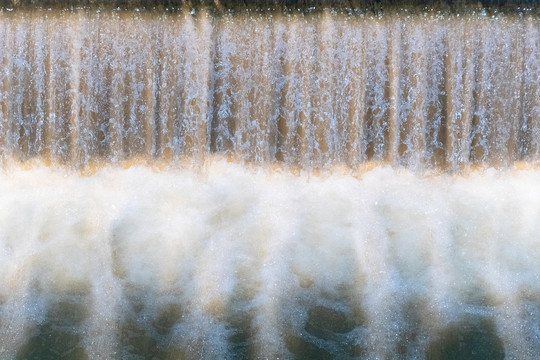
(424, 90)
(210, 181)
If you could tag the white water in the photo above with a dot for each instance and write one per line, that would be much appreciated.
(386, 264)
(295, 249)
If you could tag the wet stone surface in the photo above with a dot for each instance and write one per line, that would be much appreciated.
(168, 316)
(324, 322)
(58, 336)
(327, 335)
(473, 338)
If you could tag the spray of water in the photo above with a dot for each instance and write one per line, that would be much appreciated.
(269, 184)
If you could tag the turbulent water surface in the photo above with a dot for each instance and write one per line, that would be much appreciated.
(232, 263)
(212, 183)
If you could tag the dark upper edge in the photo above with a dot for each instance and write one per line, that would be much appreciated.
(274, 4)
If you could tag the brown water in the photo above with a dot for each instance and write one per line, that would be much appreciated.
(408, 228)
(430, 89)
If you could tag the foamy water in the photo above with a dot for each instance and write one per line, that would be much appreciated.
(348, 224)
(225, 262)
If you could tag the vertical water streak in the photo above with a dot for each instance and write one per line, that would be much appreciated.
(23, 106)
(469, 59)
(411, 107)
(529, 129)
(503, 89)
(482, 131)
(39, 74)
(290, 102)
(393, 93)
(224, 122)
(197, 76)
(253, 98)
(62, 93)
(436, 99)
(138, 131)
(6, 47)
(4, 85)
(351, 83)
(304, 61)
(458, 94)
(170, 91)
(76, 128)
(262, 110)
(323, 100)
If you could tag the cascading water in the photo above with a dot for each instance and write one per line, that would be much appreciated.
(238, 183)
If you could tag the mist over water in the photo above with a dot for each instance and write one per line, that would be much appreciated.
(206, 183)
(230, 263)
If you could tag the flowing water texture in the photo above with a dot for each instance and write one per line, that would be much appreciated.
(322, 183)
(430, 89)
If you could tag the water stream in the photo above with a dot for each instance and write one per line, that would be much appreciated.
(322, 183)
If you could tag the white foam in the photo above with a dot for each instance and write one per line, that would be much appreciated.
(255, 250)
